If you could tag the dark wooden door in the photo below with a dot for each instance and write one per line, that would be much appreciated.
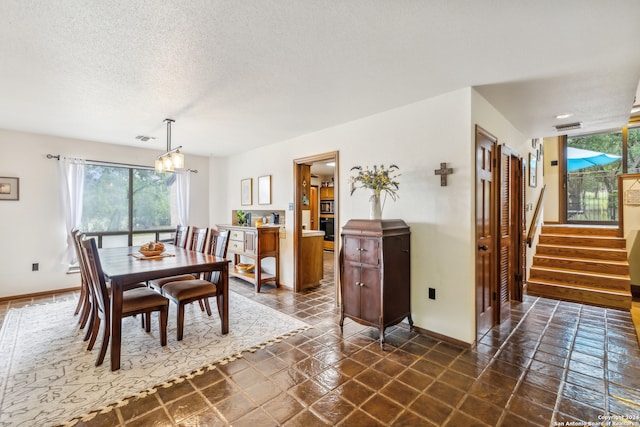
(486, 290)
(508, 228)
(522, 231)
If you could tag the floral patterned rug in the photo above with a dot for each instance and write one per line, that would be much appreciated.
(48, 377)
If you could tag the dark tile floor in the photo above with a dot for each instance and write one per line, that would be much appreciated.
(553, 362)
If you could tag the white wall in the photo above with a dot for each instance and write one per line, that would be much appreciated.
(417, 138)
(32, 229)
(631, 224)
(551, 179)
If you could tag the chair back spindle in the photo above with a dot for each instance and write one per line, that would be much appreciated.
(181, 237)
(198, 238)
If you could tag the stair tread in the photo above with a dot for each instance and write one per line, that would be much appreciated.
(585, 236)
(580, 287)
(582, 272)
(553, 245)
(590, 260)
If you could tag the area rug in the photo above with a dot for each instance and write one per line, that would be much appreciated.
(48, 377)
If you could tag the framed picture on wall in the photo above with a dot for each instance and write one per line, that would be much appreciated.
(9, 188)
(245, 192)
(264, 190)
(533, 169)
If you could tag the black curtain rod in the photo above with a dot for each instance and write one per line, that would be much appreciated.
(57, 157)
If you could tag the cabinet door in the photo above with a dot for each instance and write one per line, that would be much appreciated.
(370, 251)
(249, 242)
(370, 308)
(361, 250)
(326, 192)
(351, 249)
(351, 290)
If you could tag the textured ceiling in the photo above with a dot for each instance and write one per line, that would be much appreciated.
(240, 74)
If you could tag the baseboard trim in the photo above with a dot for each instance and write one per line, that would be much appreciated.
(439, 337)
(38, 294)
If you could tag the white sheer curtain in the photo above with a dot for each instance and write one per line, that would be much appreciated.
(183, 183)
(71, 189)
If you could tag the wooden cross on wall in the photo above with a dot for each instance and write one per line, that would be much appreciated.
(443, 172)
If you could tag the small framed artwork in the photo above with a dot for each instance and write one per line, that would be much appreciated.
(264, 190)
(245, 191)
(9, 188)
(533, 169)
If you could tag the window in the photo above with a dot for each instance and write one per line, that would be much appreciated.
(128, 206)
(594, 162)
(633, 149)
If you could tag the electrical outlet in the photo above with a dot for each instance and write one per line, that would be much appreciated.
(432, 293)
(35, 266)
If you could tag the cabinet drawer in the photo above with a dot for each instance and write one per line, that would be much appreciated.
(236, 235)
(235, 246)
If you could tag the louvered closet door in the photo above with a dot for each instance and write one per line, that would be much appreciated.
(506, 260)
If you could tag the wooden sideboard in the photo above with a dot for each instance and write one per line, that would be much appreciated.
(375, 273)
(255, 243)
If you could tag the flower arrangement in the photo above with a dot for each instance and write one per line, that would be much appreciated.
(378, 179)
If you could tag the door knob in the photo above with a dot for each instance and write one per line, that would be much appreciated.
(483, 247)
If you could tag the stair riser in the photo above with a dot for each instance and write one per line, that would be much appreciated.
(580, 295)
(603, 242)
(597, 254)
(569, 278)
(582, 231)
(597, 267)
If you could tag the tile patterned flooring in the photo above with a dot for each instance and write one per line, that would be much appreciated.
(551, 363)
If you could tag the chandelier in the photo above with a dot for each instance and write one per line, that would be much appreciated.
(173, 159)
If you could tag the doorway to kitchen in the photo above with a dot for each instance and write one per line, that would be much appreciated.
(316, 210)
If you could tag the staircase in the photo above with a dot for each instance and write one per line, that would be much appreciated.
(583, 264)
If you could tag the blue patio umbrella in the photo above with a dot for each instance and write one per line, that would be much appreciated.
(577, 159)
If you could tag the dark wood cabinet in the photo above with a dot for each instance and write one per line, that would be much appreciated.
(375, 273)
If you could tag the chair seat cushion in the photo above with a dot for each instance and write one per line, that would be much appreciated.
(139, 299)
(189, 289)
(159, 283)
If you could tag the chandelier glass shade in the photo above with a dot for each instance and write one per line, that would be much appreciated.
(171, 160)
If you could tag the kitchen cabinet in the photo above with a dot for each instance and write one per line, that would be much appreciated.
(257, 244)
(375, 273)
(311, 259)
(326, 193)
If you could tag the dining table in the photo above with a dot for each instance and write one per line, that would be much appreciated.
(124, 266)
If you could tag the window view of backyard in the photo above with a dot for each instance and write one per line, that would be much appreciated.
(593, 165)
(106, 211)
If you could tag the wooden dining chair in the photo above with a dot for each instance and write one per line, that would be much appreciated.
(134, 301)
(84, 304)
(181, 236)
(196, 240)
(184, 292)
(91, 312)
